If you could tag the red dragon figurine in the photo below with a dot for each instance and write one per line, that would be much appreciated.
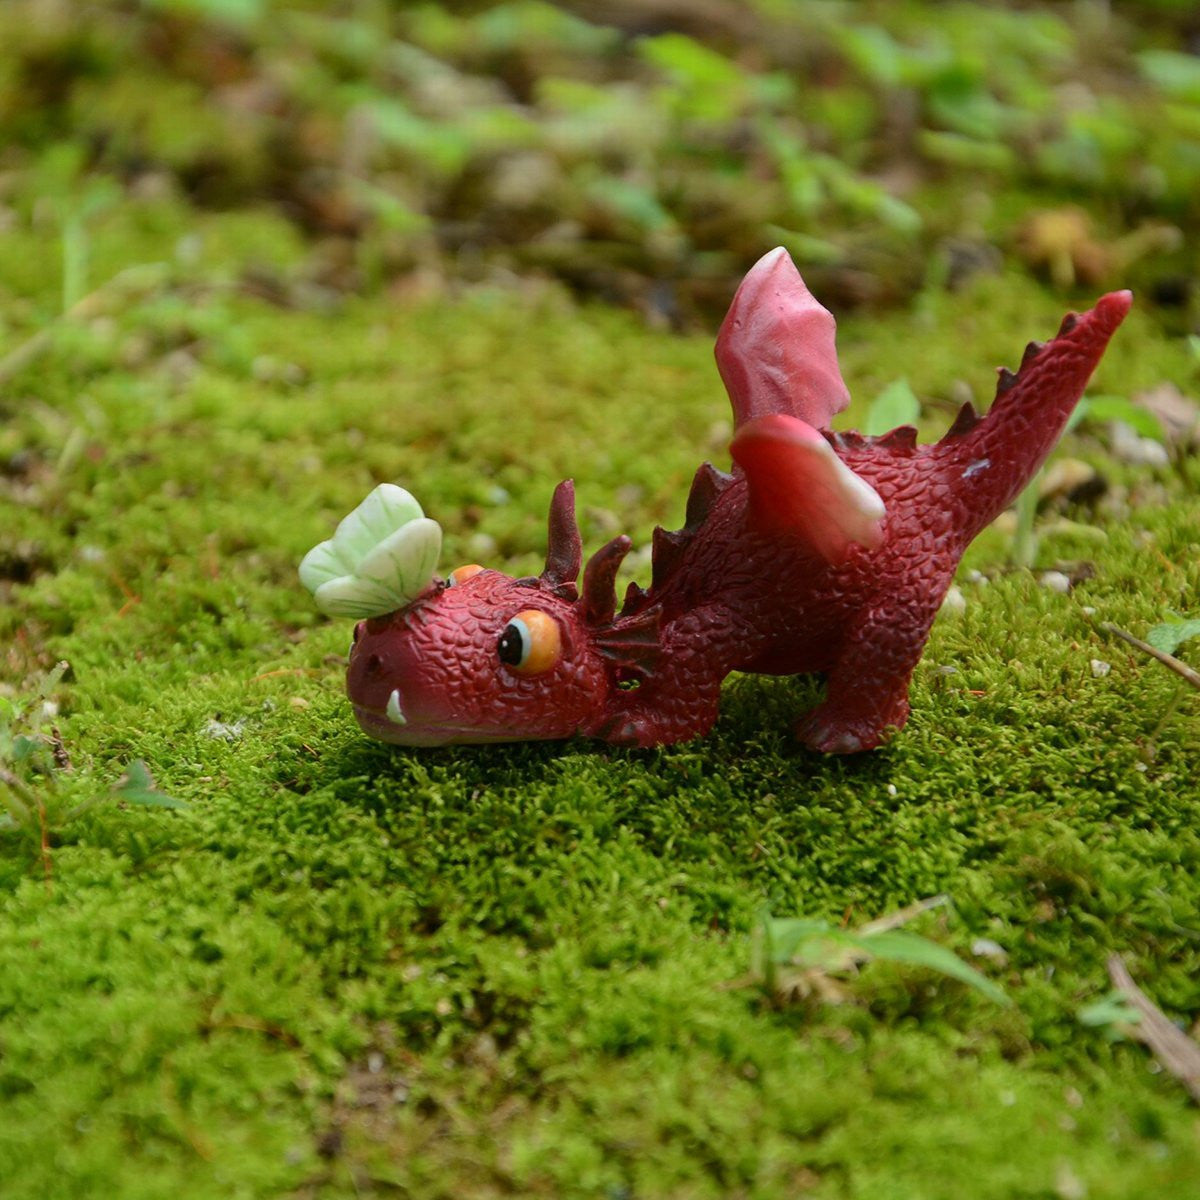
(822, 551)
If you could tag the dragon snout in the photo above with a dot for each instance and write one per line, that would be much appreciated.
(385, 684)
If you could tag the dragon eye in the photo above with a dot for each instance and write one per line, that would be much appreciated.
(462, 574)
(531, 642)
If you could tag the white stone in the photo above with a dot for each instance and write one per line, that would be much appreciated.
(954, 601)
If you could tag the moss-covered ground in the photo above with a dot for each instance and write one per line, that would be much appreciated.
(345, 969)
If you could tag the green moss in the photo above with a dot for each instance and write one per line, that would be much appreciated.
(507, 970)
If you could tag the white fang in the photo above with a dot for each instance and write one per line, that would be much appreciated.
(394, 712)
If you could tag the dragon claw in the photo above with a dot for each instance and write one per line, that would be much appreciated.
(828, 733)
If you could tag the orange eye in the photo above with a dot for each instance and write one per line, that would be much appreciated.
(531, 642)
(462, 574)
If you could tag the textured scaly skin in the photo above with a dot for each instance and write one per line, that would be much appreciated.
(744, 601)
(726, 597)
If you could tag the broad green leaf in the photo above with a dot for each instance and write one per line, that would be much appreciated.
(435, 145)
(690, 62)
(136, 786)
(1170, 635)
(900, 946)
(817, 944)
(1119, 408)
(961, 151)
(786, 935)
(873, 50)
(635, 202)
(1176, 73)
(1113, 1009)
(24, 747)
(232, 12)
(896, 405)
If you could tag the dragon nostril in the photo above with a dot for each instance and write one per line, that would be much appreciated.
(374, 664)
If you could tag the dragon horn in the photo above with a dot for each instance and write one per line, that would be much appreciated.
(565, 552)
(599, 590)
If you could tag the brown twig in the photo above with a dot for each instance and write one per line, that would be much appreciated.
(132, 599)
(44, 844)
(1177, 1053)
(62, 759)
(1167, 660)
(253, 1025)
(903, 915)
(299, 671)
(32, 804)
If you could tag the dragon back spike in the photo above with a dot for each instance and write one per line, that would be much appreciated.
(564, 554)
(965, 420)
(599, 581)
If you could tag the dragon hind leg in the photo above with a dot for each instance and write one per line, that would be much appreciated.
(867, 692)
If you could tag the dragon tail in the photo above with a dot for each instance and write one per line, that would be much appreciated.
(993, 457)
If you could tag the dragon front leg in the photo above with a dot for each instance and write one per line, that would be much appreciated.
(681, 699)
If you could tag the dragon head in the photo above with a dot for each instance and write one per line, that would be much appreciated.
(478, 656)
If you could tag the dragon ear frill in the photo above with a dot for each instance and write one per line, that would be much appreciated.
(381, 558)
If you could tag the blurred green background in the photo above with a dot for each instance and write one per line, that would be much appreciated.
(641, 151)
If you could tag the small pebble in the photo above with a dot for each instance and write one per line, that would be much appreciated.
(482, 546)
(986, 948)
(954, 601)
(1072, 478)
(298, 702)
(223, 731)
(268, 369)
(1100, 668)
(891, 789)
(1130, 447)
(190, 247)
(1068, 1185)
(1055, 581)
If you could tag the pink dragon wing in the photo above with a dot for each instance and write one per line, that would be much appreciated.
(798, 485)
(776, 350)
(777, 357)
